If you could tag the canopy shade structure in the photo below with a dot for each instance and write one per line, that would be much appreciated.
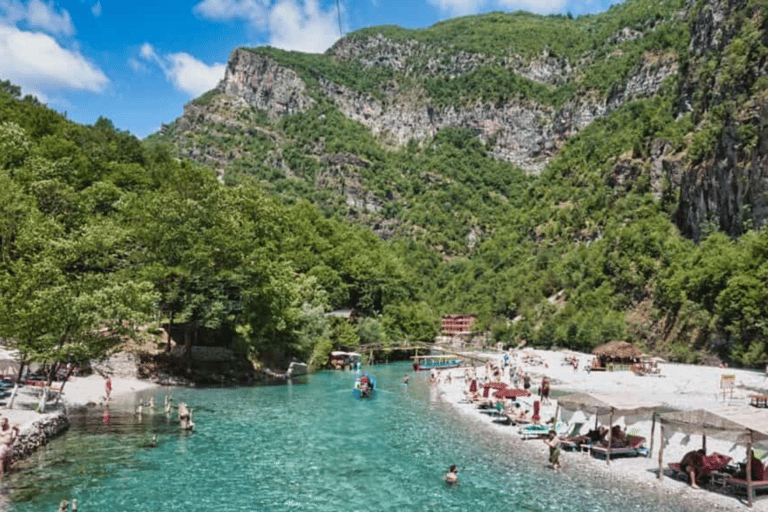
(9, 367)
(603, 403)
(740, 425)
(618, 350)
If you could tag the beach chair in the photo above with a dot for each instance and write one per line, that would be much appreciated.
(572, 440)
(711, 466)
(571, 431)
(536, 431)
(633, 448)
(759, 480)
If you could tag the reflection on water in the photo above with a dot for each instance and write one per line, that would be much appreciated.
(301, 447)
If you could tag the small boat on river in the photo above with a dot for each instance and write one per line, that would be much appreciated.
(436, 362)
(365, 388)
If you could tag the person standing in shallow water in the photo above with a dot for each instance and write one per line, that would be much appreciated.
(554, 449)
(452, 476)
(108, 388)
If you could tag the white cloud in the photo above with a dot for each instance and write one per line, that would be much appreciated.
(137, 66)
(458, 7)
(36, 61)
(186, 73)
(96, 9)
(290, 24)
(148, 52)
(193, 76)
(37, 14)
(537, 6)
(253, 11)
(303, 28)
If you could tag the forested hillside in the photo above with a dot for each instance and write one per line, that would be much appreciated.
(569, 180)
(101, 233)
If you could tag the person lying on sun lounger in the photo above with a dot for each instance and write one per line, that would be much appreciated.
(618, 437)
(692, 464)
(594, 436)
(517, 414)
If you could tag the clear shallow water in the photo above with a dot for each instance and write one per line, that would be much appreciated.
(305, 447)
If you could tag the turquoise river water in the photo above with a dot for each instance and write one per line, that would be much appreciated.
(306, 447)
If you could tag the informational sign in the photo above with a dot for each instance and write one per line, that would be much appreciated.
(727, 383)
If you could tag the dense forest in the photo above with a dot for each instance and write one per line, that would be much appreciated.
(314, 212)
(103, 233)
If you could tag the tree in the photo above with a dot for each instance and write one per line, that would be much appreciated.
(57, 290)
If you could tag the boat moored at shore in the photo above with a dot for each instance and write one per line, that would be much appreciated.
(436, 362)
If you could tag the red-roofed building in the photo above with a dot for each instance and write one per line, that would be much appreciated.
(457, 325)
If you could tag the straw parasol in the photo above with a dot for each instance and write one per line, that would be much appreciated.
(618, 350)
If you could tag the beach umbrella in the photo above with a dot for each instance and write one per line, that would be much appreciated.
(511, 393)
(492, 385)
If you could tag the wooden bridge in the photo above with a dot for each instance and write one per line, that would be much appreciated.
(425, 348)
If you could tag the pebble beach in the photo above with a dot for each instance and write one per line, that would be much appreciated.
(677, 387)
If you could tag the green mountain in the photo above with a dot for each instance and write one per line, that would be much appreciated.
(569, 180)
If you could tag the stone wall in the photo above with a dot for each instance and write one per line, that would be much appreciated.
(37, 433)
(122, 364)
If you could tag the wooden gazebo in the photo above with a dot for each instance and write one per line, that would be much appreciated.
(617, 353)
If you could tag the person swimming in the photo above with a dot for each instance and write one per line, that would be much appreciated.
(452, 476)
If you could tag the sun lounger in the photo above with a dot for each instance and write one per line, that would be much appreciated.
(634, 447)
(736, 484)
(536, 431)
(677, 471)
(717, 477)
(570, 444)
(573, 441)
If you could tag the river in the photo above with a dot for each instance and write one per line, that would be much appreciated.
(304, 447)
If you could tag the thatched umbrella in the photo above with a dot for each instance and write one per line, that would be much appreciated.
(618, 350)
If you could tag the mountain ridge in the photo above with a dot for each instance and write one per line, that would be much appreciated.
(515, 145)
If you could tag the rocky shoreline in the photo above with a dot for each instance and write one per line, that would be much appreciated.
(37, 433)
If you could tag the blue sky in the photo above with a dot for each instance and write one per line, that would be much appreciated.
(137, 63)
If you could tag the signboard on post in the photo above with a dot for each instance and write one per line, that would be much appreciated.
(727, 382)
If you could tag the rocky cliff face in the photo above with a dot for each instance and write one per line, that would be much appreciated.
(526, 134)
(264, 85)
(727, 189)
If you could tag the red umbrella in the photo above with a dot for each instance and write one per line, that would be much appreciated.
(511, 393)
(492, 385)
